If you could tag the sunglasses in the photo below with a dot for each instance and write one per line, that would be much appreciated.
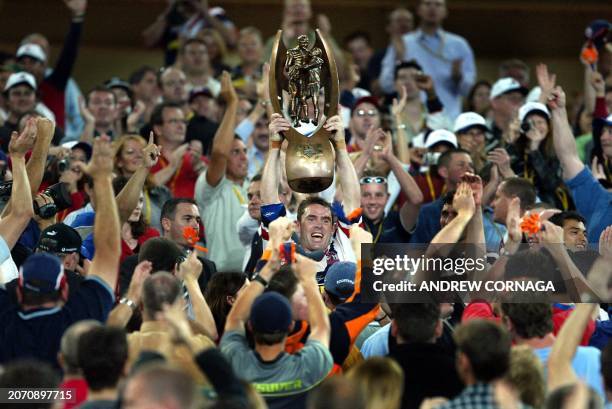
(369, 112)
(372, 179)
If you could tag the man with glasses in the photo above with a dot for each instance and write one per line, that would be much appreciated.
(173, 85)
(365, 118)
(180, 164)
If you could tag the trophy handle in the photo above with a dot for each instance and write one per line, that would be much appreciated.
(332, 84)
(277, 80)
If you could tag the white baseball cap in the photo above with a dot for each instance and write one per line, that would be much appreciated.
(441, 135)
(32, 50)
(505, 85)
(469, 120)
(20, 78)
(531, 107)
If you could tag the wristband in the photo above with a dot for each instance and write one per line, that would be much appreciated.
(260, 280)
(128, 302)
(276, 144)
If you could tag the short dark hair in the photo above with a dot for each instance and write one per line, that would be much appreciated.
(284, 282)
(416, 322)
(157, 116)
(34, 298)
(193, 40)
(606, 366)
(274, 338)
(560, 218)
(100, 88)
(447, 156)
(406, 64)
(103, 352)
(521, 188)
(310, 201)
(159, 289)
(355, 35)
(28, 373)
(529, 320)
(487, 345)
(162, 252)
(530, 263)
(559, 397)
(137, 76)
(169, 209)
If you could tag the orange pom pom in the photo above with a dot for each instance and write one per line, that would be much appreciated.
(590, 54)
(192, 237)
(531, 224)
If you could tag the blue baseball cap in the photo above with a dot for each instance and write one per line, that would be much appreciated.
(340, 279)
(42, 273)
(271, 313)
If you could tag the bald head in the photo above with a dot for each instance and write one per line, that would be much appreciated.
(159, 289)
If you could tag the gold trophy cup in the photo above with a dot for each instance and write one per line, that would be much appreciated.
(298, 77)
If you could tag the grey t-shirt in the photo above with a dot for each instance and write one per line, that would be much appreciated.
(285, 381)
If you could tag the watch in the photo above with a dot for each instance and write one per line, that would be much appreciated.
(260, 280)
(128, 302)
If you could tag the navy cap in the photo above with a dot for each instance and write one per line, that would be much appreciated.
(59, 238)
(271, 313)
(42, 273)
(340, 279)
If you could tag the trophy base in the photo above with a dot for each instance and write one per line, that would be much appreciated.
(310, 185)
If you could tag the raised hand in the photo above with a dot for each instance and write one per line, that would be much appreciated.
(475, 183)
(263, 86)
(336, 127)
(136, 115)
(190, 268)
(398, 105)
(500, 157)
(546, 81)
(605, 244)
(535, 138)
(85, 112)
(101, 163)
(141, 272)
(77, 7)
(305, 268)
(280, 231)
(278, 124)
(463, 201)
(228, 92)
(513, 220)
(557, 99)
(177, 156)
(21, 143)
(151, 152)
(597, 82)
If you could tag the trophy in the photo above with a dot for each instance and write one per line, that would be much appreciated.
(304, 89)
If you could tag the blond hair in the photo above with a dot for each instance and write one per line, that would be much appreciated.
(381, 380)
(120, 143)
(526, 375)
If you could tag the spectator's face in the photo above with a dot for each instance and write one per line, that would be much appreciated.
(361, 51)
(472, 140)
(500, 205)
(186, 215)
(432, 11)
(482, 98)
(316, 227)
(606, 141)
(124, 103)
(250, 48)
(103, 107)
(195, 58)
(447, 215)
(373, 200)
(298, 10)
(33, 66)
(459, 165)
(146, 89)
(507, 105)
(130, 158)
(406, 77)
(364, 118)
(260, 135)
(238, 164)
(574, 235)
(174, 127)
(205, 106)
(253, 194)
(174, 86)
(401, 21)
(540, 123)
(21, 99)
(137, 212)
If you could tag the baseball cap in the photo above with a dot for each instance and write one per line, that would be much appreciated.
(59, 238)
(196, 92)
(84, 146)
(270, 313)
(469, 120)
(363, 100)
(441, 135)
(530, 107)
(31, 50)
(340, 279)
(116, 82)
(42, 273)
(504, 85)
(20, 78)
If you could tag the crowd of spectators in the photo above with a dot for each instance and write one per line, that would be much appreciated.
(154, 255)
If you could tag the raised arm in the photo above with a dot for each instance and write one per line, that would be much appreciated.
(16, 221)
(122, 313)
(565, 145)
(347, 176)
(107, 234)
(270, 178)
(222, 143)
(127, 199)
(320, 328)
(463, 203)
(560, 370)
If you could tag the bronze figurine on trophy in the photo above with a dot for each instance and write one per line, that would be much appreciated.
(304, 89)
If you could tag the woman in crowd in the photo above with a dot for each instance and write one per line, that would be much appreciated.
(221, 293)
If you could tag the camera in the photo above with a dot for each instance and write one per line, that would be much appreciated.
(526, 127)
(61, 201)
(431, 158)
(63, 165)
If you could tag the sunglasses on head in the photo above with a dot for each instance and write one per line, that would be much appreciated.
(369, 112)
(372, 179)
